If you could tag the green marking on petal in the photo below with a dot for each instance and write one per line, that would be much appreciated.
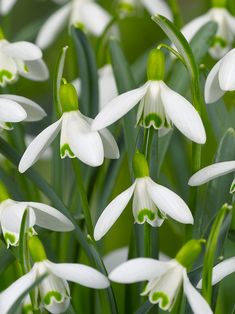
(27, 309)
(127, 7)
(219, 41)
(145, 213)
(161, 297)
(26, 69)
(65, 150)
(10, 238)
(7, 125)
(52, 295)
(79, 25)
(4, 74)
(153, 119)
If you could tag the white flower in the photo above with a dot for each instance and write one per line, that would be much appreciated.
(221, 78)
(11, 214)
(21, 58)
(86, 13)
(152, 6)
(165, 280)
(151, 203)
(225, 34)
(15, 108)
(54, 290)
(6, 6)
(159, 107)
(211, 172)
(106, 84)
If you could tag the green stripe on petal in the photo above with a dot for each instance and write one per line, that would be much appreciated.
(145, 214)
(65, 151)
(48, 299)
(10, 239)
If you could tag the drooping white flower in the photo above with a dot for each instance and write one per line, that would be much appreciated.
(15, 108)
(225, 34)
(85, 13)
(159, 106)
(221, 78)
(6, 6)
(21, 58)
(76, 139)
(152, 6)
(11, 214)
(152, 202)
(211, 172)
(106, 84)
(165, 280)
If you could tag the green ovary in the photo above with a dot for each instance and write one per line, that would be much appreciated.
(5, 74)
(160, 297)
(65, 150)
(52, 294)
(143, 213)
(27, 309)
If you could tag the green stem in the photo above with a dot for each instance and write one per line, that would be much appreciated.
(175, 9)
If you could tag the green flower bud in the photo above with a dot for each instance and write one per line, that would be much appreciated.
(156, 65)
(189, 252)
(68, 97)
(219, 3)
(140, 165)
(36, 249)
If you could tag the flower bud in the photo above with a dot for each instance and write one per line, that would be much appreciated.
(140, 165)
(36, 249)
(189, 252)
(68, 97)
(156, 65)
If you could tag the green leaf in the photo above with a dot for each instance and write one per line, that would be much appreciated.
(23, 245)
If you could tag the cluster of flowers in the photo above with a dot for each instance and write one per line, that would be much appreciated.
(159, 107)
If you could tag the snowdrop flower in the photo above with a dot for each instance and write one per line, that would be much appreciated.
(165, 279)
(44, 216)
(152, 202)
(221, 78)
(159, 107)
(84, 13)
(6, 6)
(20, 58)
(15, 108)
(226, 28)
(213, 171)
(76, 140)
(152, 6)
(106, 84)
(53, 291)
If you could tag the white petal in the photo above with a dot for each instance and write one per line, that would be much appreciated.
(213, 90)
(53, 26)
(183, 115)
(39, 145)
(226, 71)
(211, 172)
(84, 143)
(170, 203)
(112, 212)
(139, 269)
(10, 111)
(33, 110)
(223, 269)
(157, 7)
(110, 145)
(191, 28)
(115, 258)
(50, 218)
(12, 293)
(196, 301)
(107, 86)
(36, 70)
(118, 107)
(230, 19)
(78, 273)
(23, 50)
(6, 6)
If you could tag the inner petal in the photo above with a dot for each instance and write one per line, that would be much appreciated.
(65, 150)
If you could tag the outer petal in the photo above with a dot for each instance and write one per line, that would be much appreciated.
(213, 90)
(223, 269)
(118, 107)
(23, 50)
(50, 218)
(226, 71)
(169, 203)
(81, 274)
(107, 86)
(112, 212)
(53, 26)
(115, 258)
(6, 6)
(157, 7)
(139, 269)
(190, 29)
(33, 110)
(110, 145)
(183, 115)
(211, 172)
(84, 143)
(11, 111)
(12, 293)
(36, 70)
(196, 301)
(39, 145)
